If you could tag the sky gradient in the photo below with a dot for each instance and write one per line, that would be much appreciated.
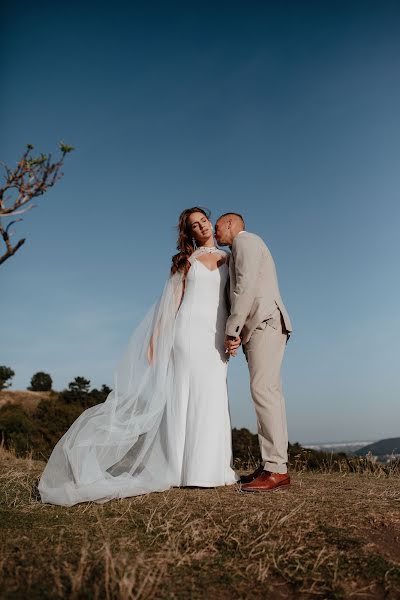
(286, 112)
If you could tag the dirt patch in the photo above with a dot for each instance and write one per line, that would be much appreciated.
(384, 539)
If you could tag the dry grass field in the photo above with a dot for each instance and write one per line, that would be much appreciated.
(328, 536)
(29, 400)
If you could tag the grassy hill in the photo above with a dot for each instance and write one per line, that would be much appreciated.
(29, 400)
(330, 535)
(381, 448)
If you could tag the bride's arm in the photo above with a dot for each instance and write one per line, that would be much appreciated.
(179, 294)
(177, 298)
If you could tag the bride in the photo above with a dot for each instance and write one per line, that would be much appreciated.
(167, 422)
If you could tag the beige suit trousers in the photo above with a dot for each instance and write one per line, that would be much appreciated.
(264, 353)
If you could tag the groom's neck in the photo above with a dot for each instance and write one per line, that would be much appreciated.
(236, 234)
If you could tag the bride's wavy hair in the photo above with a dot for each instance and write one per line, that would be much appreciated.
(184, 244)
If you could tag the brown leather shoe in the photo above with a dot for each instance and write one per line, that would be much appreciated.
(267, 482)
(252, 476)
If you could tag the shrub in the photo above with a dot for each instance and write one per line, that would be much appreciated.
(245, 447)
(53, 418)
(16, 428)
(79, 385)
(41, 382)
(5, 374)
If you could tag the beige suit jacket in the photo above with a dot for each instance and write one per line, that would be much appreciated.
(253, 287)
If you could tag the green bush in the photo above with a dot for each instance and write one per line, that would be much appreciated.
(52, 419)
(16, 428)
(41, 382)
(79, 385)
(5, 374)
(245, 447)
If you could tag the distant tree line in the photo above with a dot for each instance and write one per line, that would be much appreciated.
(37, 431)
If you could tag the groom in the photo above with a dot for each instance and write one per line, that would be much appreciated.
(258, 319)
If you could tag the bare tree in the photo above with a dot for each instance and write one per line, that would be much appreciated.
(31, 178)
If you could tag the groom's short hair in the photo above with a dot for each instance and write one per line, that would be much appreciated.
(233, 214)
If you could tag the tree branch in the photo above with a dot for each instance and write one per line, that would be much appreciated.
(31, 178)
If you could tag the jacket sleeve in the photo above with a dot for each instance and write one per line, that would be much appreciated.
(227, 299)
(247, 256)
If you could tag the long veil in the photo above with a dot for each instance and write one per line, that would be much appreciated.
(124, 446)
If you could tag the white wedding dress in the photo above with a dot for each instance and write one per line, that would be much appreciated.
(201, 397)
(166, 423)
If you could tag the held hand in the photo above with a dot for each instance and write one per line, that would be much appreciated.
(232, 344)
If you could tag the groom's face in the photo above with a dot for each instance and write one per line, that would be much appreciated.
(222, 232)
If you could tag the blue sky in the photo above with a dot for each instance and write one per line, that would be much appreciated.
(286, 112)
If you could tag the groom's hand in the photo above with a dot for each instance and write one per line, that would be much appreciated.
(232, 344)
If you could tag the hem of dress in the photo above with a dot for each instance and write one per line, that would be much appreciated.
(206, 485)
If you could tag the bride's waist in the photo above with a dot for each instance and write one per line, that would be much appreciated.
(200, 313)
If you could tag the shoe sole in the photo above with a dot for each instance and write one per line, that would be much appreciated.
(263, 490)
